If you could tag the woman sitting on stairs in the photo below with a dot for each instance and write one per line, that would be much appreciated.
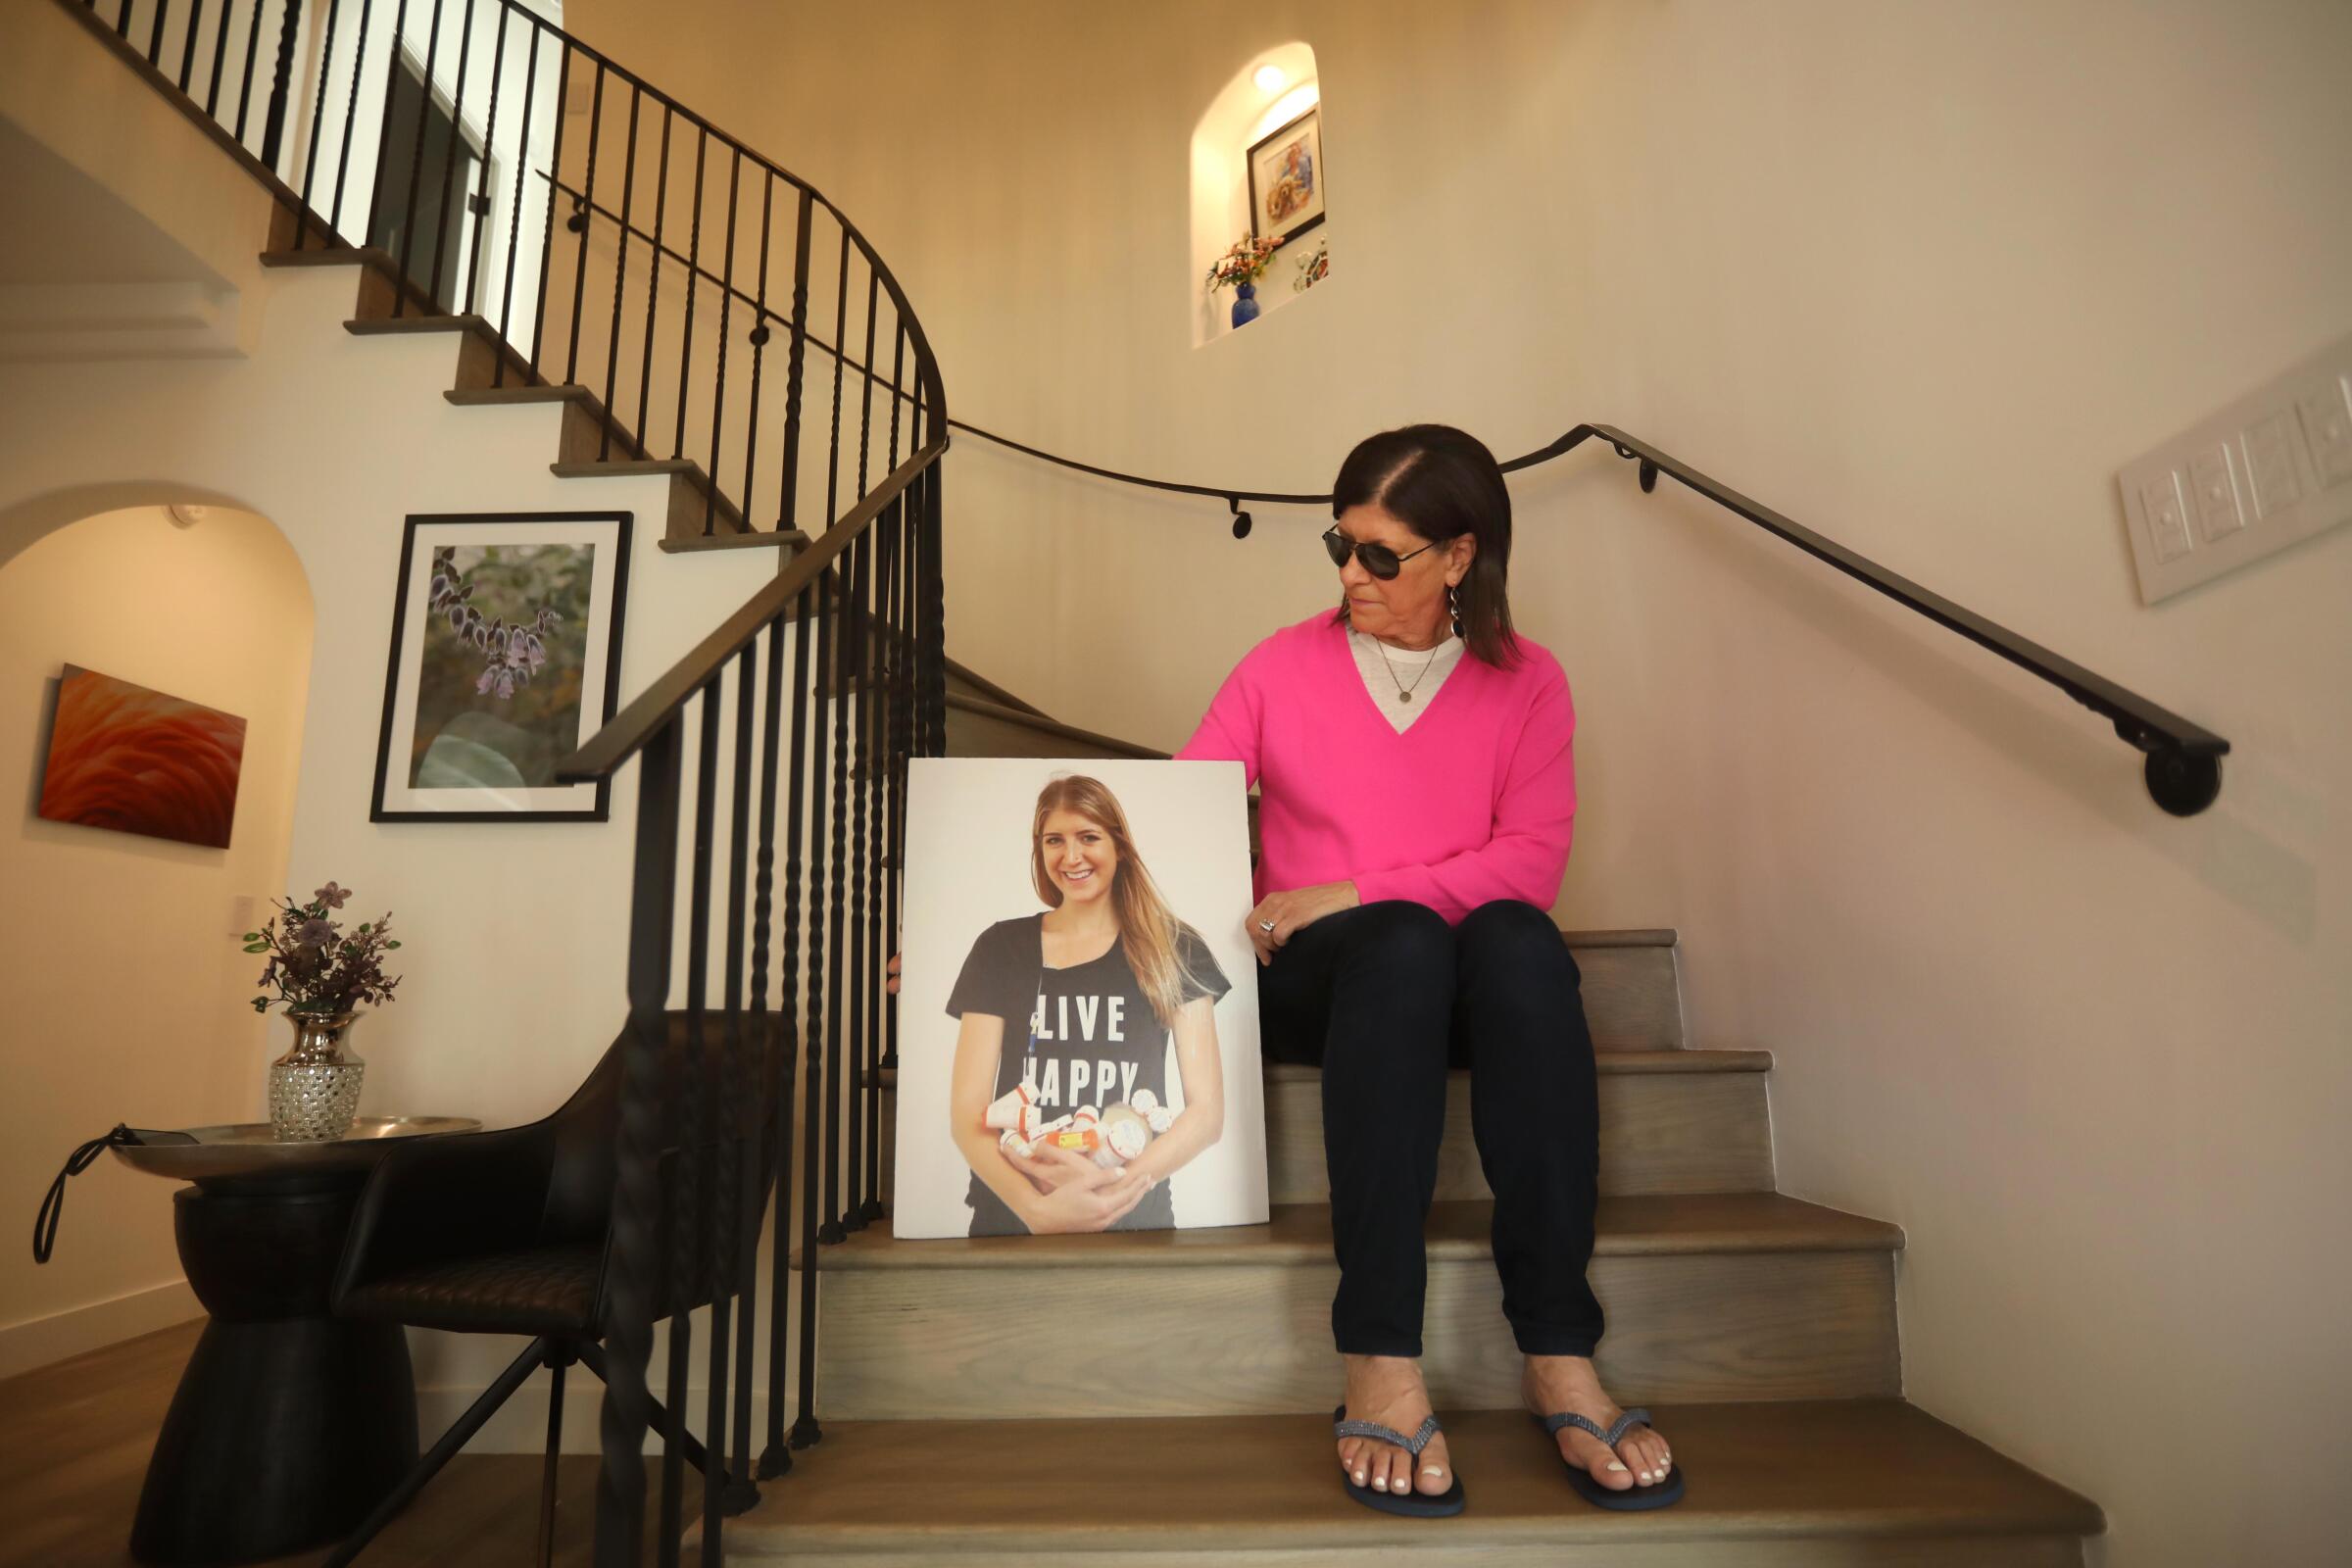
(1417, 794)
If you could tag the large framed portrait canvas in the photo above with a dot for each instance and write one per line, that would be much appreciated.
(1078, 1010)
(1285, 179)
(506, 656)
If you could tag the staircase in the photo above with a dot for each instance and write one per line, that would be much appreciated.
(1164, 1395)
(1159, 1396)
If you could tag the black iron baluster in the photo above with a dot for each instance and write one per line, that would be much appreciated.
(449, 159)
(585, 214)
(274, 124)
(212, 91)
(637, 1197)
(253, 48)
(482, 183)
(718, 395)
(694, 267)
(188, 48)
(522, 165)
(351, 110)
(620, 275)
(690, 1137)
(424, 108)
(775, 1459)
(841, 325)
(758, 340)
(310, 157)
(122, 19)
(155, 35)
(805, 1430)
(839, 684)
(383, 131)
(788, 514)
(775, 1149)
(853, 999)
(865, 392)
(547, 241)
(653, 290)
(733, 1110)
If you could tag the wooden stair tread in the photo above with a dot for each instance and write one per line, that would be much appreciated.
(1769, 1470)
(496, 396)
(382, 325)
(984, 708)
(1299, 1235)
(789, 538)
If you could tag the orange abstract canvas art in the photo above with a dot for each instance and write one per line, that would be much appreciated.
(134, 760)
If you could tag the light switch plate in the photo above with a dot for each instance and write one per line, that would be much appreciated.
(2269, 471)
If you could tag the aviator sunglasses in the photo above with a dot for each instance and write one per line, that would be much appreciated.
(1378, 559)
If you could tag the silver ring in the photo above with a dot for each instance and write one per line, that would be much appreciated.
(1265, 926)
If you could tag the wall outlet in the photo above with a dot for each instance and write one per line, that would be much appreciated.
(2272, 469)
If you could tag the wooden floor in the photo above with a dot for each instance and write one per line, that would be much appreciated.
(74, 1445)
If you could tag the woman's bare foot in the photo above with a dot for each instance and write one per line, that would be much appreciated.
(1388, 1390)
(1555, 1383)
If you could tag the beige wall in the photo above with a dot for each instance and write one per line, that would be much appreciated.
(125, 989)
(1922, 277)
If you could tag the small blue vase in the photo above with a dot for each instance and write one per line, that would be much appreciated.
(1245, 303)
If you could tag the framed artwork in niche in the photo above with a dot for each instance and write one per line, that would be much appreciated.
(1285, 178)
(505, 657)
(134, 760)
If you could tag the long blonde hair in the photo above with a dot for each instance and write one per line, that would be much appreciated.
(1149, 930)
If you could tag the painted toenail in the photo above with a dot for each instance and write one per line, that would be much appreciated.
(1614, 1465)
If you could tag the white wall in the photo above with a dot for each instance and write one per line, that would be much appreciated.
(1922, 278)
(123, 986)
(514, 932)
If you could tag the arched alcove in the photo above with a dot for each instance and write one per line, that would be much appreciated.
(128, 997)
(1272, 90)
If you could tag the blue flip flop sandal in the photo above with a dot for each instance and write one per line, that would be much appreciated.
(1634, 1499)
(1415, 1504)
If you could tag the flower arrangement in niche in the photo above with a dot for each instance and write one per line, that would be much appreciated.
(512, 651)
(314, 965)
(1245, 262)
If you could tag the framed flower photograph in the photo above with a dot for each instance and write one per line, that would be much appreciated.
(1285, 179)
(505, 657)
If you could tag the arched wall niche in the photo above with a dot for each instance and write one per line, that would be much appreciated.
(128, 997)
(1243, 111)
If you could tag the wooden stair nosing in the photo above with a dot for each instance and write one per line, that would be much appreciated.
(788, 538)
(692, 494)
(1299, 1235)
(984, 708)
(1773, 1483)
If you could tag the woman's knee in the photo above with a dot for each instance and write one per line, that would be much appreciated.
(1513, 936)
(1399, 938)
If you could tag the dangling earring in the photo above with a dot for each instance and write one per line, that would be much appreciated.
(1453, 608)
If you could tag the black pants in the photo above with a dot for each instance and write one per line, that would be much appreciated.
(1385, 998)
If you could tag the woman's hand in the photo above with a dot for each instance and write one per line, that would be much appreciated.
(1279, 914)
(1051, 1168)
(1087, 1205)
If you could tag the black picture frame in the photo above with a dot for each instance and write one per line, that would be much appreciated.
(395, 801)
(1292, 130)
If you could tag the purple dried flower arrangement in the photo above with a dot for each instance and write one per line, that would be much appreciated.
(513, 652)
(317, 968)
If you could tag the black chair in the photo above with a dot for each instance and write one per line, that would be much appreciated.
(504, 1232)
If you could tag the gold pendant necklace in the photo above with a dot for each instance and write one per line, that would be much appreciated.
(1404, 692)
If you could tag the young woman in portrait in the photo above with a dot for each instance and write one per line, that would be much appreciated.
(1081, 1005)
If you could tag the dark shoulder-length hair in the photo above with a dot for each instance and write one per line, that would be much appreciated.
(1442, 483)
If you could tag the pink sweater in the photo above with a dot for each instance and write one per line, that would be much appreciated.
(1473, 803)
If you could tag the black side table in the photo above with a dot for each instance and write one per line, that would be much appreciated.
(288, 1425)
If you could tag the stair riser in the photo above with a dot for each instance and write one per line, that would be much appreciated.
(1659, 1133)
(1081, 1341)
(747, 1546)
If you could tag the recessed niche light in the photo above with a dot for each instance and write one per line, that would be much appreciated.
(1269, 78)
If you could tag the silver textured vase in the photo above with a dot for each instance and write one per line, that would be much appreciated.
(315, 1088)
